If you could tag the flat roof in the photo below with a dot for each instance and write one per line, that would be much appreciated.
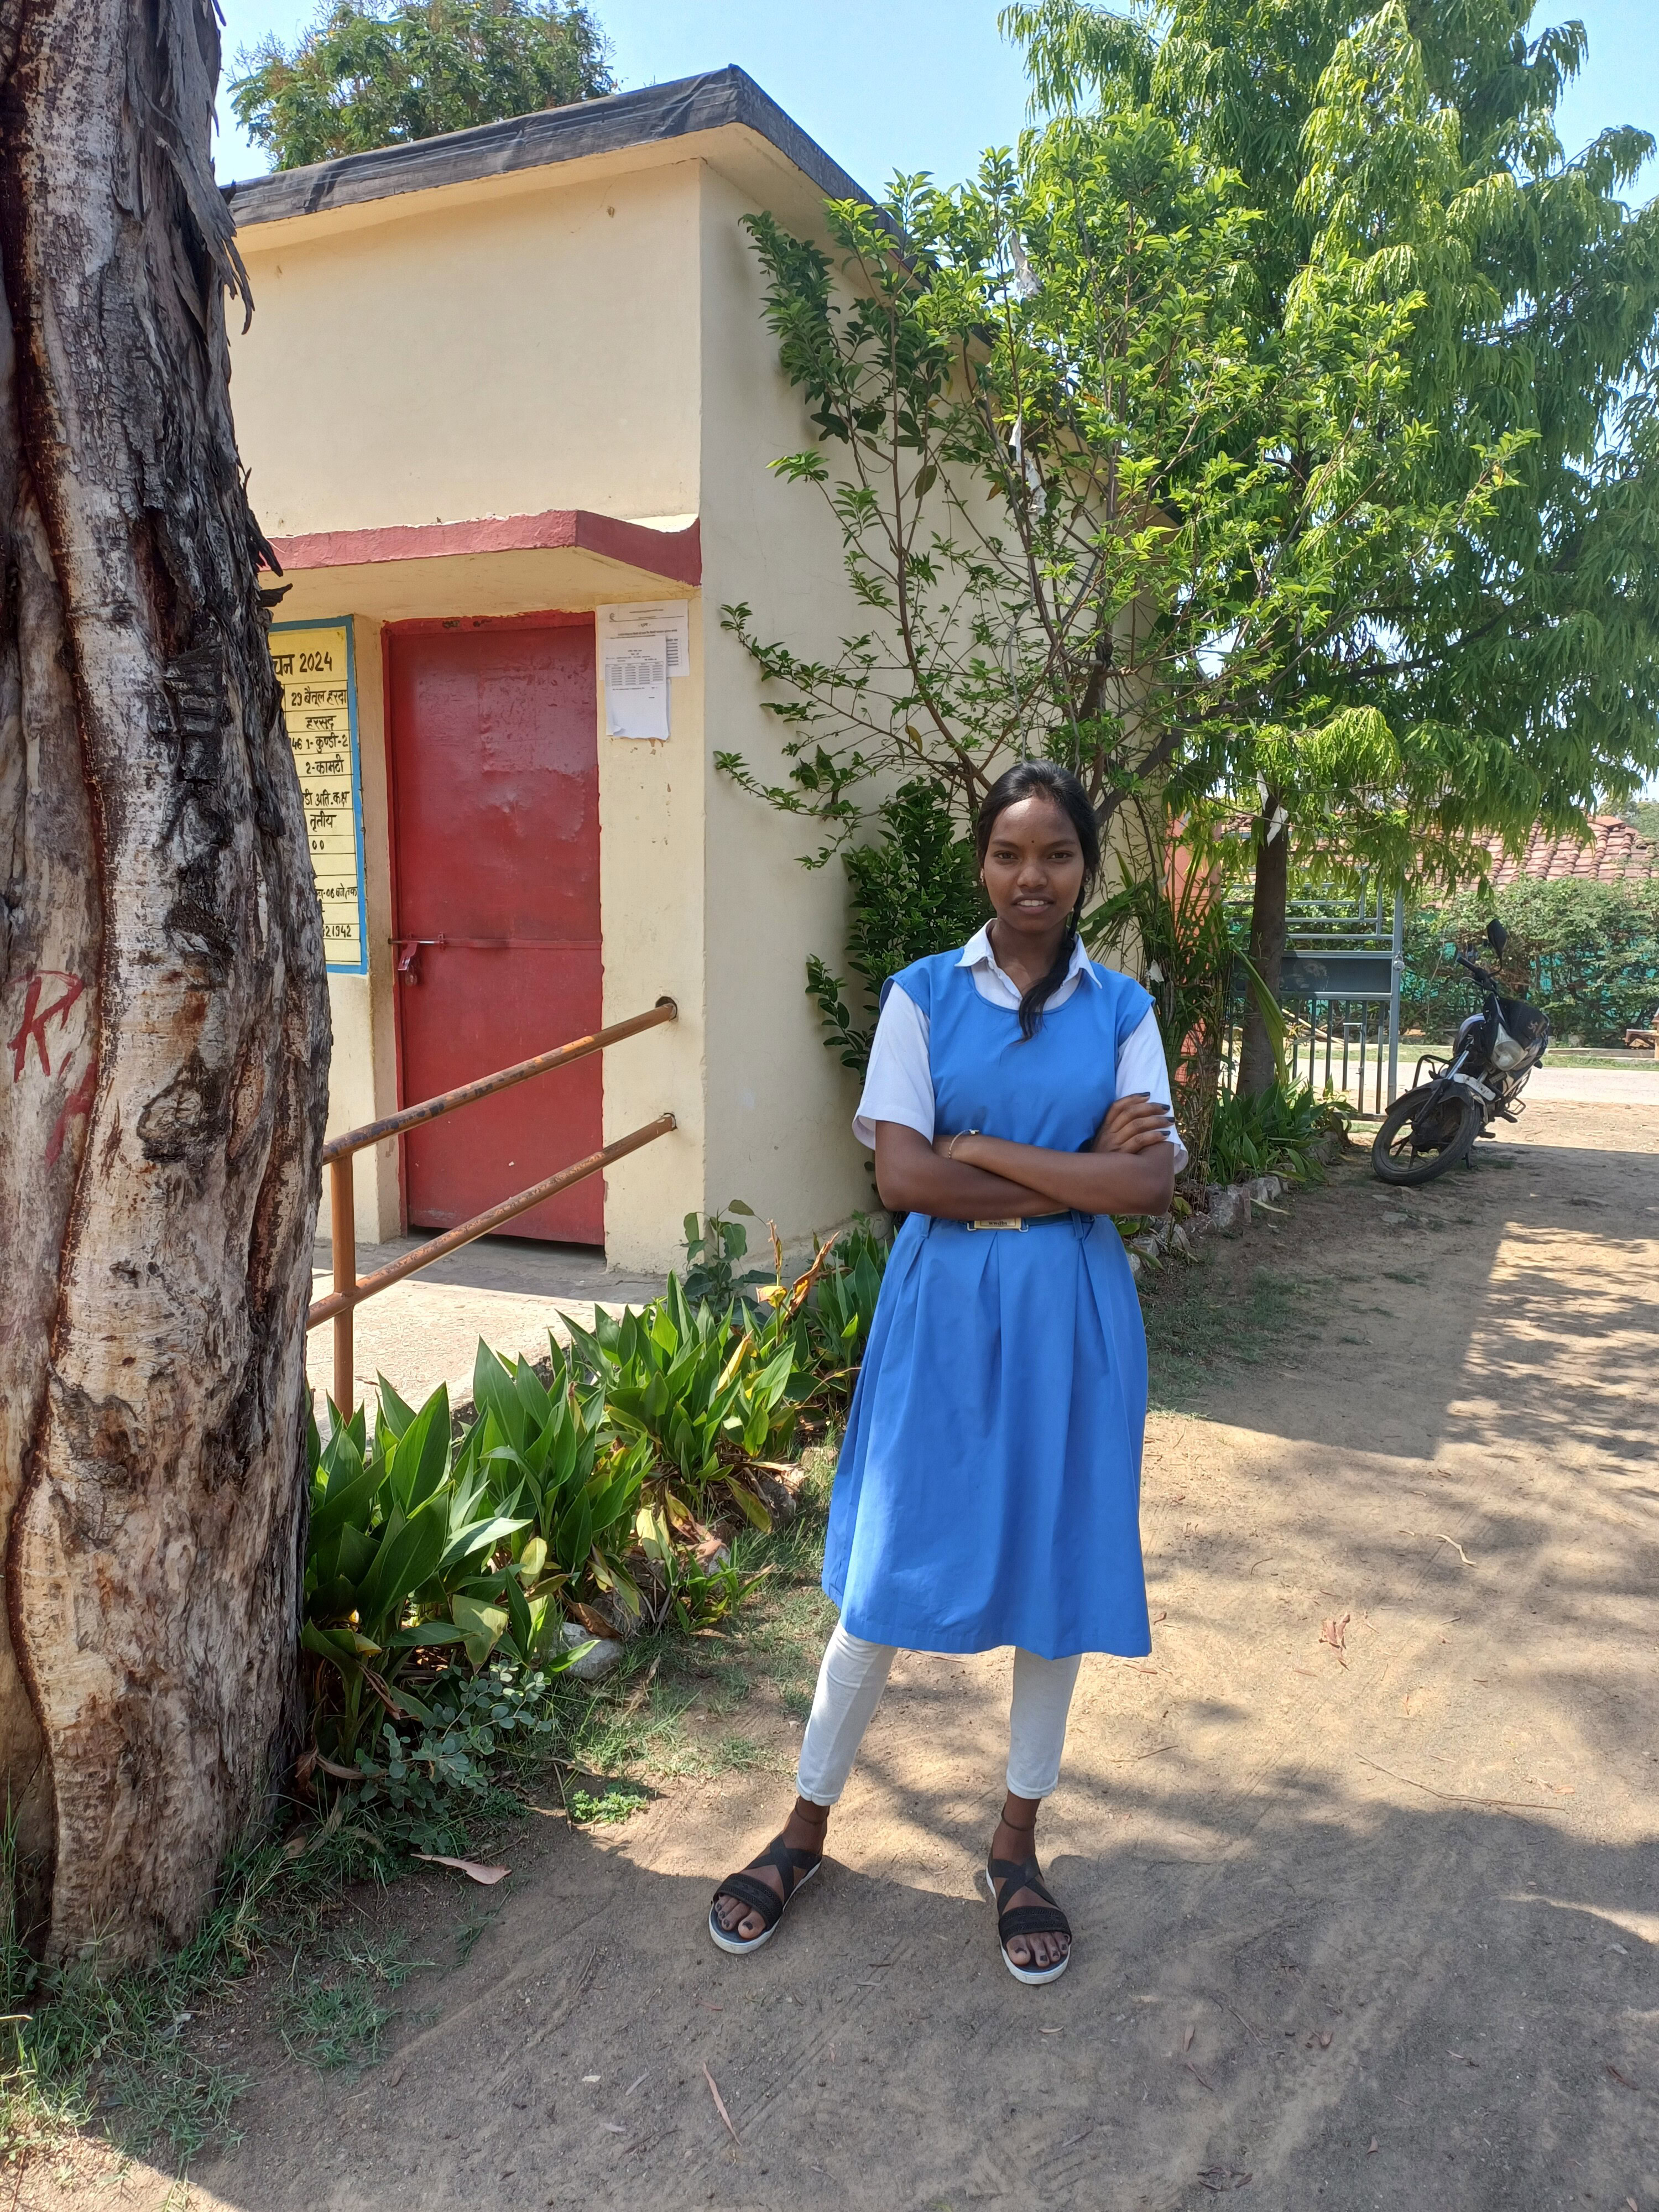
(657, 112)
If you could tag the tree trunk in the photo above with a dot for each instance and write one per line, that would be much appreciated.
(1256, 1066)
(165, 1014)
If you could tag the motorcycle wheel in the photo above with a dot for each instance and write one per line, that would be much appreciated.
(1413, 1146)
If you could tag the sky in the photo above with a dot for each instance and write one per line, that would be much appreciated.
(927, 84)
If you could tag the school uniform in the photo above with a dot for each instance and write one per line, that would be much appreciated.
(987, 1491)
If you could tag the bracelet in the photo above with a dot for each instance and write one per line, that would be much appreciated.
(950, 1149)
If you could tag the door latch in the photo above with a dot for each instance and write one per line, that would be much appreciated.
(409, 956)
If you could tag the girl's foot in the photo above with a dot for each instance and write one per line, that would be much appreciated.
(743, 1914)
(1037, 1945)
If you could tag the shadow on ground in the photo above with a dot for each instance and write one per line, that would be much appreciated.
(1364, 1861)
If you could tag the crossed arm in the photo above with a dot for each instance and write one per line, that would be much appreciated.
(1128, 1168)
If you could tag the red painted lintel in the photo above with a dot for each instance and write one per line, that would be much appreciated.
(674, 554)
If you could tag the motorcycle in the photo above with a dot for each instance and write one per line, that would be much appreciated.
(1434, 1125)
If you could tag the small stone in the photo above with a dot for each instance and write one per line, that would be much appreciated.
(596, 1662)
(1229, 1208)
(776, 1493)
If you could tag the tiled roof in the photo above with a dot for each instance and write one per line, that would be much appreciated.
(1614, 851)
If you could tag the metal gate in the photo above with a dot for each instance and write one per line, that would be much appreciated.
(1340, 991)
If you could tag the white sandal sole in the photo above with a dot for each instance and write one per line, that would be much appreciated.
(737, 1946)
(1031, 1975)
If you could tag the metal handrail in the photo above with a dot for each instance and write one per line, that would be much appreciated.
(351, 1288)
(393, 1125)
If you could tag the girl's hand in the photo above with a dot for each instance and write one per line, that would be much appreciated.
(1134, 1124)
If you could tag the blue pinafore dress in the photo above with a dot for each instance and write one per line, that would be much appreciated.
(988, 1489)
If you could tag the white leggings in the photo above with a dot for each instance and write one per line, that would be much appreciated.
(852, 1678)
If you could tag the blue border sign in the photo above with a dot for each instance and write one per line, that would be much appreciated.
(316, 688)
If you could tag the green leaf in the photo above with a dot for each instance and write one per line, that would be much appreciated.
(338, 1645)
(750, 1506)
(394, 1413)
(418, 1461)
(408, 1557)
(349, 1497)
(417, 1635)
(482, 1627)
(476, 1537)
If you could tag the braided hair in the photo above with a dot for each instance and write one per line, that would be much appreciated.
(1042, 779)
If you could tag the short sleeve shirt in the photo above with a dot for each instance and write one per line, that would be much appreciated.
(898, 1085)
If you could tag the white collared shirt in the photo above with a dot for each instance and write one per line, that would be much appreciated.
(898, 1085)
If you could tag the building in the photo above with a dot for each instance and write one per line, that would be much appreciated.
(507, 403)
(1615, 851)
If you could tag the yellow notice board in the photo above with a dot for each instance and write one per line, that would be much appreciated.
(314, 667)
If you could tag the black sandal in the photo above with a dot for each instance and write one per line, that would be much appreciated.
(1044, 1919)
(795, 1870)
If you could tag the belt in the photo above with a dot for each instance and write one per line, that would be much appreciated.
(1026, 1221)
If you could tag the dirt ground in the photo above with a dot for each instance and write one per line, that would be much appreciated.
(1363, 1862)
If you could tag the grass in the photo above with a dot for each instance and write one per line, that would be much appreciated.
(662, 1715)
(335, 2014)
(113, 2051)
(620, 1801)
(1200, 1325)
(475, 1925)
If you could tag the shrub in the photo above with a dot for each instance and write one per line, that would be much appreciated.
(916, 892)
(1279, 1133)
(701, 1390)
(420, 1541)
(1587, 953)
(712, 1249)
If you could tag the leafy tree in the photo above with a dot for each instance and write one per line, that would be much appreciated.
(381, 72)
(1062, 467)
(1587, 953)
(1513, 676)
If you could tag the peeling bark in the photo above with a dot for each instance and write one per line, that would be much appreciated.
(163, 1012)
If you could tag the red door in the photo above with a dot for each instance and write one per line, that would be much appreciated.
(496, 830)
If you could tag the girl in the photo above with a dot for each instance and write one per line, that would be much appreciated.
(988, 1486)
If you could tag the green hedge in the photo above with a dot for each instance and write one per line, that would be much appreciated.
(1587, 953)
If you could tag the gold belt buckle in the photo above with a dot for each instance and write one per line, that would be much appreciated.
(1015, 1222)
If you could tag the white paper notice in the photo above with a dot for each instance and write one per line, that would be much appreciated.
(656, 628)
(635, 675)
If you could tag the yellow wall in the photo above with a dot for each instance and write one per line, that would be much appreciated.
(559, 339)
(439, 358)
(780, 1106)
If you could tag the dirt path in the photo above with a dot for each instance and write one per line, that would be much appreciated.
(1370, 1921)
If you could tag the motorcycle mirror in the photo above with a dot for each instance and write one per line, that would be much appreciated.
(1449, 952)
(1496, 936)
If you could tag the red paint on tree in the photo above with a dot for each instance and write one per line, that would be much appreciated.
(33, 1030)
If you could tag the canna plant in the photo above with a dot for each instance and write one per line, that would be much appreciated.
(835, 1322)
(703, 1390)
(393, 1542)
(418, 1542)
(547, 1459)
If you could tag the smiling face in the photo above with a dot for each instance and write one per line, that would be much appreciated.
(1033, 869)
